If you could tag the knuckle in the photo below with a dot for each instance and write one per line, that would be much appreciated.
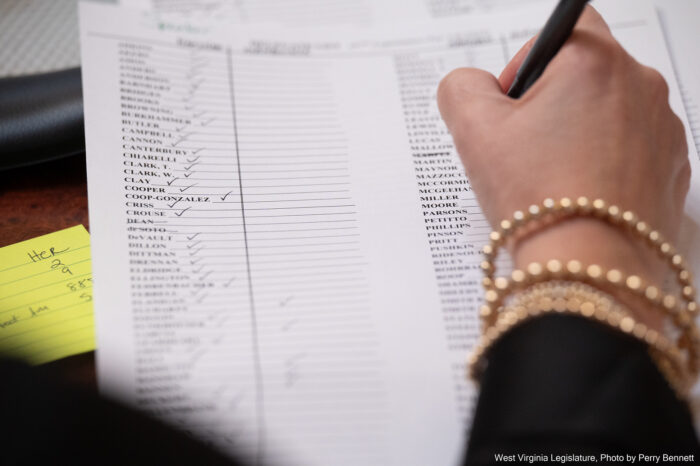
(592, 54)
(656, 82)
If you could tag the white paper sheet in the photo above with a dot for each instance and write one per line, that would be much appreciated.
(679, 19)
(285, 247)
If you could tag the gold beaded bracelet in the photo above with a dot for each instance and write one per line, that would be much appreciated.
(586, 301)
(612, 214)
(595, 275)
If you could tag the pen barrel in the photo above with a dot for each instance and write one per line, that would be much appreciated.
(553, 36)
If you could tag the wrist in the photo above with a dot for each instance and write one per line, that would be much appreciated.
(592, 241)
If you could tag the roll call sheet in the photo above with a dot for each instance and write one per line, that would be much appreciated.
(285, 245)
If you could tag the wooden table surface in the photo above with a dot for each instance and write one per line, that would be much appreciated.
(38, 200)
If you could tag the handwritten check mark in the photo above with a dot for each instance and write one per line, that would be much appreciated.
(223, 198)
(173, 204)
(194, 261)
(182, 190)
(193, 160)
(187, 175)
(195, 252)
(190, 246)
(183, 211)
(182, 138)
(206, 123)
(173, 181)
(228, 283)
(197, 151)
(190, 238)
(198, 270)
(188, 168)
(205, 275)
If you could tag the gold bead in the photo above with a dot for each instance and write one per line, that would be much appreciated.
(594, 272)
(518, 217)
(582, 205)
(627, 324)
(677, 261)
(491, 333)
(485, 311)
(600, 208)
(692, 307)
(614, 214)
(574, 267)
(487, 267)
(630, 218)
(666, 249)
(688, 292)
(487, 282)
(587, 309)
(559, 305)
(640, 330)
(614, 276)
(634, 283)
(669, 302)
(549, 204)
(554, 267)
(501, 283)
(518, 276)
(491, 296)
(652, 293)
(566, 204)
(573, 305)
(546, 304)
(488, 250)
(495, 237)
(535, 269)
(534, 210)
(642, 228)
(506, 226)
(600, 314)
(651, 337)
(685, 277)
(655, 238)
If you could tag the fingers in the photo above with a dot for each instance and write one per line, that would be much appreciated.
(508, 74)
(590, 21)
(467, 96)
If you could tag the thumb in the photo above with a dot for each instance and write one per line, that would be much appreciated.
(470, 97)
(508, 75)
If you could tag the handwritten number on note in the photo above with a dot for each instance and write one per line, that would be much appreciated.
(56, 263)
(79, 284)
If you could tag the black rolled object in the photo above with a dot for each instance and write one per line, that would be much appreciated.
(41, 118)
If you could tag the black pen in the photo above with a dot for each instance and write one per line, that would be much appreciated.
(551, 39)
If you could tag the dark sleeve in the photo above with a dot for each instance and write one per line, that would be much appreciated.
(43, 422)
(565, 385)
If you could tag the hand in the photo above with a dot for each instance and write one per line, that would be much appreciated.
(596, 124)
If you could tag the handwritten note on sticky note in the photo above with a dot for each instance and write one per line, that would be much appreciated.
(46, 297)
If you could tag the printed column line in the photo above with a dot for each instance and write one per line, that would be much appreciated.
(253, 317)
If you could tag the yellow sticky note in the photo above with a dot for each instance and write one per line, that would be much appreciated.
(46, 297)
